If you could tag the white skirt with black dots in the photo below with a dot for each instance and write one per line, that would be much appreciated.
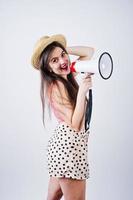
(67, 153)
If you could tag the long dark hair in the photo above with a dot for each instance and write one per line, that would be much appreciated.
(48, 78)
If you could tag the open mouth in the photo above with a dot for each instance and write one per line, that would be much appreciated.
(64, 67)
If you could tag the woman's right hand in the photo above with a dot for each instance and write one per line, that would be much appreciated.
(86, 83)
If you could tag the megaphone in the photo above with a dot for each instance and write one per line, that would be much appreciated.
(102, 64)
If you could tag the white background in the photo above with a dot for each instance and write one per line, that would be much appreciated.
(105, 25)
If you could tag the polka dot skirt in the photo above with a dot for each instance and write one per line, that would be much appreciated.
(67, 153)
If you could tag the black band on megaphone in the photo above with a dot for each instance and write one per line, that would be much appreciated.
(105, 78)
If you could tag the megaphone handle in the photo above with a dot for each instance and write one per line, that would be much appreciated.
(88, 111)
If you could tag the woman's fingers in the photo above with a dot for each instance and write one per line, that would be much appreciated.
(87, 77)
(88, 74)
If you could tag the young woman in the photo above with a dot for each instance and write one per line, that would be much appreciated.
(68, 146)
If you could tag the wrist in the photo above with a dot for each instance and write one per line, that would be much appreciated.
(81, 93)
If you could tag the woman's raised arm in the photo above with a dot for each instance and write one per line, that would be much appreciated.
(84, 52)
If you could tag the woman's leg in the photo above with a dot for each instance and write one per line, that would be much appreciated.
(73, 189)
(54, 189)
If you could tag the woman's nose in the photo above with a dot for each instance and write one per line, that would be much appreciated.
(62, 61)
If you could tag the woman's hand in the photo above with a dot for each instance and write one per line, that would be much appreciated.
(85, 84)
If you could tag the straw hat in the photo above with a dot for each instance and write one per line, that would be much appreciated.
(41, 44)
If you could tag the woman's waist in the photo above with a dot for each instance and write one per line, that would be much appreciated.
(62, 125)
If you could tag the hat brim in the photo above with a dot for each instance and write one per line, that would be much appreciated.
(42, 44)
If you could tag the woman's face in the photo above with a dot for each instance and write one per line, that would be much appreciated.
(59, 62)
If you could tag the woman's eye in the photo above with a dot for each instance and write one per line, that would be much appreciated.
(63, 54)
(54, 60)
